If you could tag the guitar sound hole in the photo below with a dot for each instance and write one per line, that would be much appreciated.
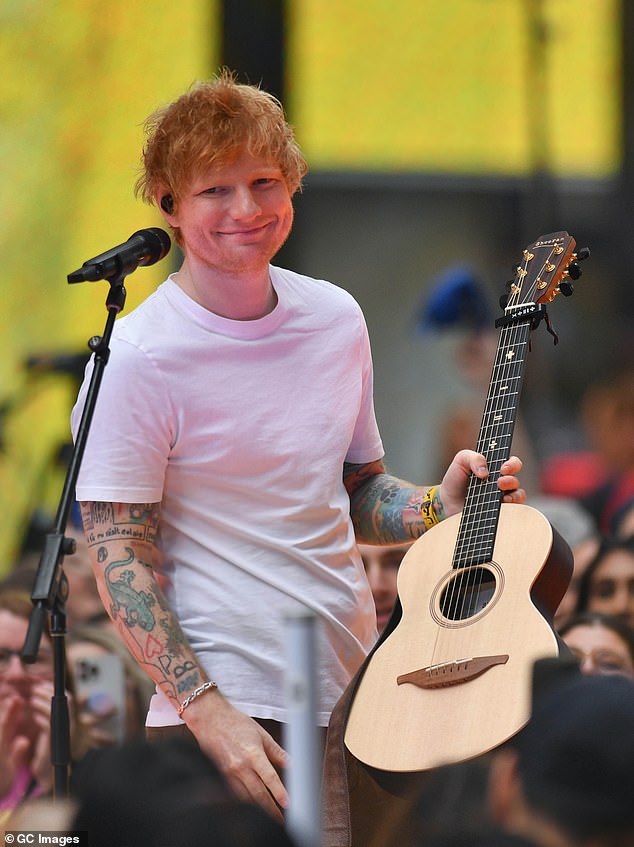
(467, 593)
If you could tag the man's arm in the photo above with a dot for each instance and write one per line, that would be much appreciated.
(388, 510)
(121, 542)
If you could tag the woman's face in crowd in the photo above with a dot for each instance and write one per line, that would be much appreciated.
(17, 678)
(612, 586)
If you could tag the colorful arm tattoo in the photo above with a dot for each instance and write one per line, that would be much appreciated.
(388, 510)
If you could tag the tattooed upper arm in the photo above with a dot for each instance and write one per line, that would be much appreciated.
(356, 475)
(131, 522)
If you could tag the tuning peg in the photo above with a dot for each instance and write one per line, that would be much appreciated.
(583, 253)
(574, 271)
(566, 287)
(504, 301)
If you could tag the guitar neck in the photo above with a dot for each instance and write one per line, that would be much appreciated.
(478, 525)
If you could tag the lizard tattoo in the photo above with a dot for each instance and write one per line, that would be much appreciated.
(136, 604)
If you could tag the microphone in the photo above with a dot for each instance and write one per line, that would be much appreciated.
(144, 247)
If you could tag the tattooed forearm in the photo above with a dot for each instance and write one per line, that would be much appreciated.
(387, 510)
(121, 545)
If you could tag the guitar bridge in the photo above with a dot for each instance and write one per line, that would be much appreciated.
(451, 673)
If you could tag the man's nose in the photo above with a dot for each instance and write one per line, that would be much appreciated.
(244, 204)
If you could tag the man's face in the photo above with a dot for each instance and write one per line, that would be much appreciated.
(235, 217)
(381, 567)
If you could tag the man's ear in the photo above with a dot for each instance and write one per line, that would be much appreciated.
(504, 792)
(165, 202)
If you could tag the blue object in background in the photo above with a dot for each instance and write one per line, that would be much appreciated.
(456, 301)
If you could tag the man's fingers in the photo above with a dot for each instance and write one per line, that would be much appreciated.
(275, 787)
(517, 496)
(276, 754)
(513, 465)
(250, 788)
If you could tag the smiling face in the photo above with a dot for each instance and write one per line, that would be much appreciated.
(234, 218)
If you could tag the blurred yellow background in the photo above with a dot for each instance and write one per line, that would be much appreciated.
(449, 85)
(391, 85)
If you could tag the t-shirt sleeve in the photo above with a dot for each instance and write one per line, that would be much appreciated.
(129, 438)
(366, 444)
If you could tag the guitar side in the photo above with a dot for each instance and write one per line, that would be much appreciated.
(443, 687)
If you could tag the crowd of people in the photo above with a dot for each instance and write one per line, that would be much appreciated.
(246, 477)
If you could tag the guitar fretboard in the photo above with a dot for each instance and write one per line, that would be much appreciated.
(478, 525)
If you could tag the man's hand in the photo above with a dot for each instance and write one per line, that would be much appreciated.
(454, 484)
(245, 753)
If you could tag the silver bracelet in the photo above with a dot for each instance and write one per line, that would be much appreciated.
(206, 686)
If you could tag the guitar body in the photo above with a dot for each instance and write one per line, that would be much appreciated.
(453, 680)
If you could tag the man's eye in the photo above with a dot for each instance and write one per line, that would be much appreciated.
(214, 189)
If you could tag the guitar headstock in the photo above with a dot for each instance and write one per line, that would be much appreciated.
(544, 271)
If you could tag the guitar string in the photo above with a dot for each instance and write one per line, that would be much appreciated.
(459, 595)
(494, 444)
(470, 532)
(516, 368)
(491, 432)
(507, 370)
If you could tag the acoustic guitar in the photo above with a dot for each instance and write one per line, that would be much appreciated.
(479, 590)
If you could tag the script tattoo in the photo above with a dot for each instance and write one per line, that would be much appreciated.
(110, 521)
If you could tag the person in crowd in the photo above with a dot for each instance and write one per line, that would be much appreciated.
(234, 451)
(578, 529)
(608, 415)
(608, 583)
(625, 524)
(160, 795)
(602, 643)
(449, 808)
(381, 565)
(25, 708)
(566, 780)
(83, 604)
(118, 701)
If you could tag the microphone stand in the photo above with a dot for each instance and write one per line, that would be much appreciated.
(50, 588)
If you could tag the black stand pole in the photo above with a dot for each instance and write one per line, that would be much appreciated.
(50, 589)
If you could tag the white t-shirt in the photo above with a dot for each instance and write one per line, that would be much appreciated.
(240, 430)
